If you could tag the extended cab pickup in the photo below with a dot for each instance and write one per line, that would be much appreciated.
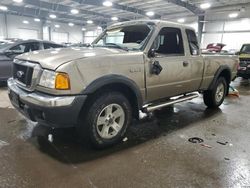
(131, 66)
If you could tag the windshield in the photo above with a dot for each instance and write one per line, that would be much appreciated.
(128, 37)
(245, 49)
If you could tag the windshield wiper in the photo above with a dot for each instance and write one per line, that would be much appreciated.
(116, 46)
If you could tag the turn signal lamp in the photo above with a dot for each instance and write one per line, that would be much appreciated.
(62, 81)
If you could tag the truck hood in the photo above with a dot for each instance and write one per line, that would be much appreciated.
(52, 59)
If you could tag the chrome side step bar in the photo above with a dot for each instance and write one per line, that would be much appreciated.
(183, 98)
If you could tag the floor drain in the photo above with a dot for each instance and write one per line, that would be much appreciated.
(195, 140)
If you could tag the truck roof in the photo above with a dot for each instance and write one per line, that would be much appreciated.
(150, 22)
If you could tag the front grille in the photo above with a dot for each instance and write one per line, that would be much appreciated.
(244, 62)
(26, 74)
(23, 74)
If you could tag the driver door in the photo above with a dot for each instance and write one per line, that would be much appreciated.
(169, 54)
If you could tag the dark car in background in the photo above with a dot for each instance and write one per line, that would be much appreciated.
(244, 66)
(10, 48)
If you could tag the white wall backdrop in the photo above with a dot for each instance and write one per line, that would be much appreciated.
(66, 33)
(60, 37)
(2, 28)
(28, 33)
(16, 27)
(37, 30)
(232, 33)
(91, 34)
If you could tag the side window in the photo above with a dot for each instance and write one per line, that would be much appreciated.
(169, 42)
(34, 46)
(49, 46)
(21, 48)
(25, 47)
(193, 42)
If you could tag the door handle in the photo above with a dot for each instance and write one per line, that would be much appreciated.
(185, 63)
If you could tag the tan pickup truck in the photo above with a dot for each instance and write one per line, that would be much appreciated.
(131, 66)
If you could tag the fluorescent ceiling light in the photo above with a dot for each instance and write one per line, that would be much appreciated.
(150, 13)
(71, 24)
(53, 16)
(25, 22)
(233, 15)
(114, 18)
(83, 29)
(3, 8)
(37, 20)
(107, 3)
(74, 11)
(18, 1)
(205, 6)
(99, 27)
(203, 21)
(89, 21)
(181, 20)
(57, 26)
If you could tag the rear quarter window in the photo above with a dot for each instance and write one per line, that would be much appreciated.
(193, 42)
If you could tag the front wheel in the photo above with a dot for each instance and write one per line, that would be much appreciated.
(215, 97)
(107, 119)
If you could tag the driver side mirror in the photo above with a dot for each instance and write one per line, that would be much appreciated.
(151, 53)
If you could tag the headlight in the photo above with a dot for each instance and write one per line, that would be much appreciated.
(55, 80)
(48, 79)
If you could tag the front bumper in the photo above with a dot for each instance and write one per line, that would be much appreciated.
(53, 111)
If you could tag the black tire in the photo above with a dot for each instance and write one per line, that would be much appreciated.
(88, 126)
(209, 96)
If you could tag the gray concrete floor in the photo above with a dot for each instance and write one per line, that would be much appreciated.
(156, 154)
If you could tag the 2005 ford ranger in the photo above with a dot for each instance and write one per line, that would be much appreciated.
(131, 66)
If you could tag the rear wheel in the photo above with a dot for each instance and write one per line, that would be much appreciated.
(107, 119)
(215, 97)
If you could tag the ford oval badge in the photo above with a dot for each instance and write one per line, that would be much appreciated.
(19, 74)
